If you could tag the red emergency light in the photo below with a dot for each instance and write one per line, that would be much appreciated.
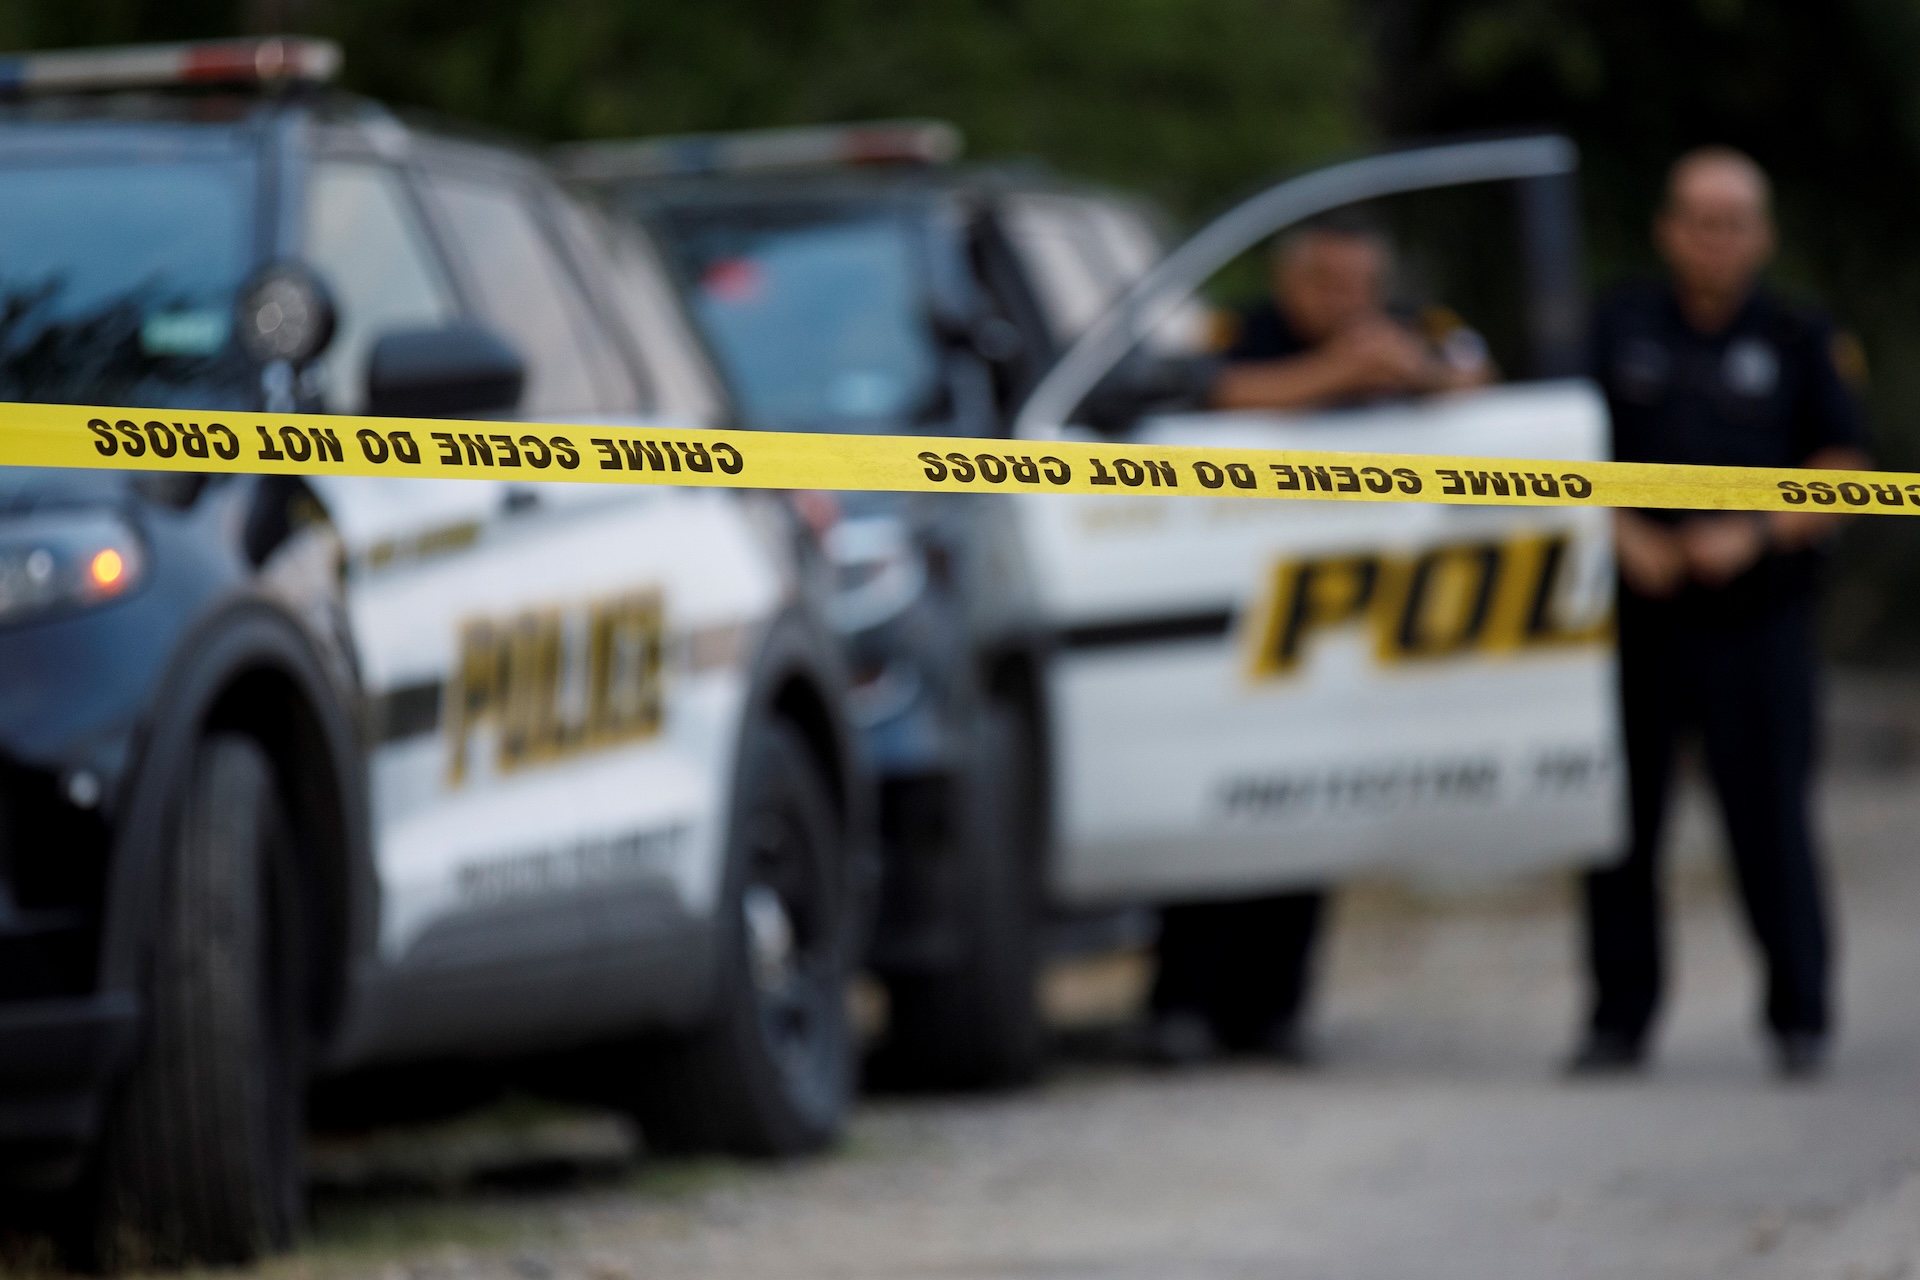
(882, 142)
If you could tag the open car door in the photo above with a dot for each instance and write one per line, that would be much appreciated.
(1247, 696)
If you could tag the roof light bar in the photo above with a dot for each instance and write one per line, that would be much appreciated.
(268, 60)
(764, 150)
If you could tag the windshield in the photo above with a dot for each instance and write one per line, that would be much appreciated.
(821, 325)
(117, 282)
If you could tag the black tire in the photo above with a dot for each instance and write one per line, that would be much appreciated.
(771, 1072)
(978, 1024)
(201, 1158)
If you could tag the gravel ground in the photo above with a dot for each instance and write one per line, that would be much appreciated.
(1433, 1140)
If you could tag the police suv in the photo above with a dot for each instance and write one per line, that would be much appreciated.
(305, 776)
(1155, 695)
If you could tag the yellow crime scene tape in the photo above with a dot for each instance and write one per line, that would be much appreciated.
(41, 435)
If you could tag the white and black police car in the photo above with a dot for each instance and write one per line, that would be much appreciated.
(1082, 703)
(299, 777)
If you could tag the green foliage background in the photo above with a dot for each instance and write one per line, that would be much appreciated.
(1194, 101)
(1190, 102)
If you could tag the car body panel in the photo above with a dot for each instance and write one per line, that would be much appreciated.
(1258, 695)
(501, 866)
(1190, 767)
(1176, 771)
(538, 896)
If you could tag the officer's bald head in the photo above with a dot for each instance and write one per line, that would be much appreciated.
(1721, 176)
(1715, 229)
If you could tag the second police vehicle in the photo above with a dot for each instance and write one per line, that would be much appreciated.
(1156, 695)
(299, 777)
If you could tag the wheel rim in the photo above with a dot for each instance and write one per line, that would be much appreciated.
(790, 930)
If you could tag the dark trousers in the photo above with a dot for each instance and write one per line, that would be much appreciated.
(1748, 687)
(1244, 966)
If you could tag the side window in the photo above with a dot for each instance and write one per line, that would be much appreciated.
(1080, 254)
(363, 239)
(1065, 258)
(683, 381)
(525, 291)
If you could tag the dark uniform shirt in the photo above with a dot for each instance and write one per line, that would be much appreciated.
(1265, 334)
(1762, 393)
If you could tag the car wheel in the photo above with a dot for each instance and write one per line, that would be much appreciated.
(977, 1024)
(771, 1071)
(201, 1158)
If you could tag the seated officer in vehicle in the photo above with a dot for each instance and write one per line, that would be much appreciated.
(1327, 338)
(1234, 975)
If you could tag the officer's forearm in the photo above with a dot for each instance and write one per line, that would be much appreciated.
(1450, 378)
(1294, 383)
(1651, 559)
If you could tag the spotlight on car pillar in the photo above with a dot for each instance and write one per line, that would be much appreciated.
(285, 314)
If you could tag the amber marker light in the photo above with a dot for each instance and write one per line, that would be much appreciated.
(63, 559)
(108, 568)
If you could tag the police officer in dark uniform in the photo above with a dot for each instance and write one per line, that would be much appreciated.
(1326, 336)
(1717, 610)
(1235, 975)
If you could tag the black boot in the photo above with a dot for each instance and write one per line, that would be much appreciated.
(1608, 1053)
(1800, 1055)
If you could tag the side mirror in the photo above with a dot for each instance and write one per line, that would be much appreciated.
(994, 339)
(444, 372)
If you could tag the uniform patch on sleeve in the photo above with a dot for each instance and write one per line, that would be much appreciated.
(1849, 359)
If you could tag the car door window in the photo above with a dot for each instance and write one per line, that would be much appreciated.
(681, 382)
(1080, 254)
(1073, 286)
(523, 287)
(682, 378)
(364, 240)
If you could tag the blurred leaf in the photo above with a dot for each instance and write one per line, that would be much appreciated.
(1189, 100)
